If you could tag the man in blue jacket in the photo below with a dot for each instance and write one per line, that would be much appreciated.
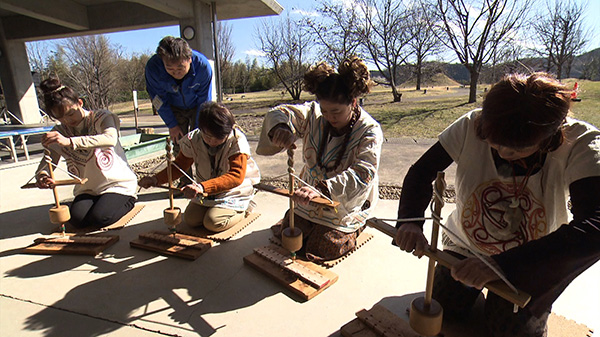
(178, 80)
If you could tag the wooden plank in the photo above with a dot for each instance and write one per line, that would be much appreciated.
(290, 280)
(89, 240)
(178, 245)
(225, 235)
(498, 287)
(378, 321)
(356, 328)
(318, 201)
(285, 261)
(72, 247)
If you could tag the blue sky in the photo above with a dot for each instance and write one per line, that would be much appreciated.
(146, 40)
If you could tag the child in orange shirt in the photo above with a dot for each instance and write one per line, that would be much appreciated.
(224, 169)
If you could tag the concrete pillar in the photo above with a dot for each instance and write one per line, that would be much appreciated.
(202, 40)
(17, 83)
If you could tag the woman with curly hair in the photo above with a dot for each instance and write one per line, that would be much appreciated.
(341, 152)
(519, 159)
(89, 142)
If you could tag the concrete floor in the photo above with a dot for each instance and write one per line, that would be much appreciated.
(131, 292)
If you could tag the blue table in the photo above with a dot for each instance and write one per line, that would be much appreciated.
(22, 133)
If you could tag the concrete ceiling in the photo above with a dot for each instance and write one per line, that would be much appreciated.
(30, 20)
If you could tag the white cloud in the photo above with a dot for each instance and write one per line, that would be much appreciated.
(305, 13)
(254, 52)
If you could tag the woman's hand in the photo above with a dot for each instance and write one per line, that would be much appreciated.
(148, 181)
(191, 191)
(473, 272)
(44, 181)
(304, 194)
(282, 136)
(409, 237)
(55, 137)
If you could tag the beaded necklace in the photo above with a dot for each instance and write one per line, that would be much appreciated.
(347, 130)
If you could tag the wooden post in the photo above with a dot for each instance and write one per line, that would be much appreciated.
(438, 203)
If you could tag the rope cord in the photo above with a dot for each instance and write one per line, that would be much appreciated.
(187, 176)
(48, 159)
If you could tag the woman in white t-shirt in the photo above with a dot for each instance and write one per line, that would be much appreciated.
(89, 142)
(519, 158)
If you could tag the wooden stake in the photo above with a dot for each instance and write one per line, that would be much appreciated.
(440, 188)
(169, 172)
(51, 171)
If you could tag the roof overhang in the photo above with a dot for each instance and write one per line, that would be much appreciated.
(31, 20)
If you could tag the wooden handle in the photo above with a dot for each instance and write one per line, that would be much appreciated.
(59, 183)
(497, 287)
(318, 201)
(177, 189)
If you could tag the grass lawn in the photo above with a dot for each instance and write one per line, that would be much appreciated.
(419, 115)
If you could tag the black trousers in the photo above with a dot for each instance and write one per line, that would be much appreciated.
(457, 300)
(99, 210)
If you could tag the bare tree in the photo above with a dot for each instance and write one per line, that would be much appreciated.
(475, 28)
(93, 62)
(58, 65)
(336, 32)
(131, 72)
(561, 34)
(226, 52)
(424, 42)
(385, 37)
(285, 44)
(37, 53)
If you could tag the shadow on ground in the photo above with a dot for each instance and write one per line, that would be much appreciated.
(140, 287)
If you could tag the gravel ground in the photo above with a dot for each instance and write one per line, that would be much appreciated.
(388, 192)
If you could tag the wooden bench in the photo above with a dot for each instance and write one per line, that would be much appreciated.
(22, 134)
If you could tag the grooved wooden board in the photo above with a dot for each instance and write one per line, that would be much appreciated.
(378, 321)
(178, 245)
(70, 245)
(287, 278)
(285, 261)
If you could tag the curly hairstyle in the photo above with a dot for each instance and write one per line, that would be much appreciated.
(174, 49)
(57, 97)
(351, 81)
(525, 110)
(216, 119)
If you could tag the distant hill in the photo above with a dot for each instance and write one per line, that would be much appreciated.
(457, 73)
(437, 80)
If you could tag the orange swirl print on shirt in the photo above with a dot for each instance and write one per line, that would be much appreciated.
(493, 226)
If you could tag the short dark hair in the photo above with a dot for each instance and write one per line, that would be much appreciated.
(57, 97)
(525, 110)
(216, 119)
(174, 49)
